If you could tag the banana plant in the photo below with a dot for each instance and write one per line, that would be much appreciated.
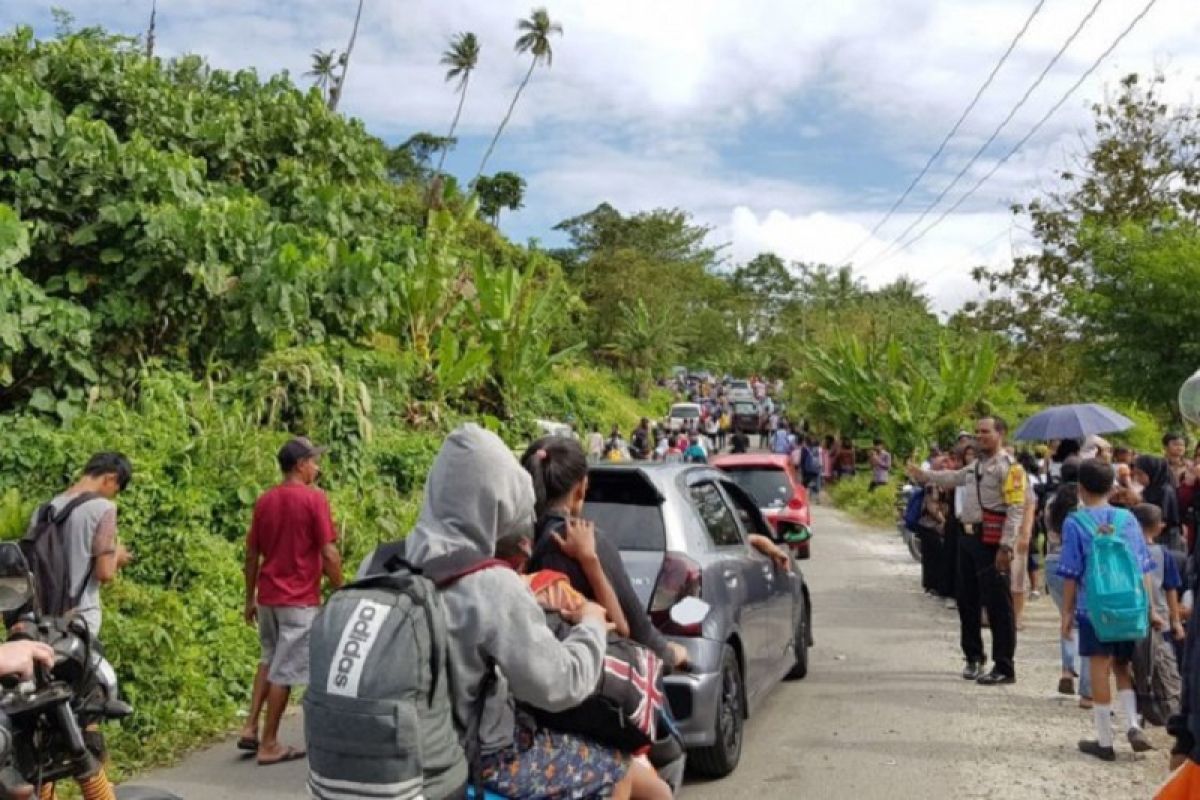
(513, 315)
(903, 396)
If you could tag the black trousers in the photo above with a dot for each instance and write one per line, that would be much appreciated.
(980, 585)
(932, 546)
(947, 570)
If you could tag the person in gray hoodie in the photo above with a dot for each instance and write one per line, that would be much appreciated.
(476, 493)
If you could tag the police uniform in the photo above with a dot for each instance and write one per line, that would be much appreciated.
(993, 507)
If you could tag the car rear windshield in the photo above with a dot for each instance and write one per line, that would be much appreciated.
(745, 408)
(625, 505)
(685, 412)
(769, 486)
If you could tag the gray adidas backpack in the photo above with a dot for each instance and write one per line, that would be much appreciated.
(378, 717)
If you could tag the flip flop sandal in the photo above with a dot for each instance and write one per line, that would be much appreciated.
(289, 754)
(247, 744)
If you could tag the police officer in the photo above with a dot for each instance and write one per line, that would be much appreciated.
(992, 511)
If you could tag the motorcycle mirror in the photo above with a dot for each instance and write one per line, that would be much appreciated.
(689, 611)
(16, 586)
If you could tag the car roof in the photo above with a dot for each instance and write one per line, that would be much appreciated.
(662, 474)
(751, 460)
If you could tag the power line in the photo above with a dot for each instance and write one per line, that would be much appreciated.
(999, 129)
(941, 147)
(1032, 131)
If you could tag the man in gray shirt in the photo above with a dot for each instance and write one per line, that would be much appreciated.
(90, 532)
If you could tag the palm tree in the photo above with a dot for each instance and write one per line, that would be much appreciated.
(323, 65)
(151, 30)
(335, 89)
(535, 40)
(461, 57)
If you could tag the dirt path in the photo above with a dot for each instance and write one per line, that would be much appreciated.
(883, 713)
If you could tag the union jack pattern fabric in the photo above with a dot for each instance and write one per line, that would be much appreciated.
(643, 675)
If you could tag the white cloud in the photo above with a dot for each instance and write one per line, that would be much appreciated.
(942, 264)
(675, 102)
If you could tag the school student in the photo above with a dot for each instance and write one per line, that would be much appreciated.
(1155, 673)
(1097, 518)
(477, 493)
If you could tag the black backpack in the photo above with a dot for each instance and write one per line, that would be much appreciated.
(44, 549)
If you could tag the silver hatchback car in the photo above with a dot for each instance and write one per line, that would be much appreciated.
(682, 531)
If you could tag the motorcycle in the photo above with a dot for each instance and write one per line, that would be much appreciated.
(911, 540)
(49, 726)
(666, 755)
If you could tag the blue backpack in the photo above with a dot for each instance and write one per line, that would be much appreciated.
(1116, 593)
(912, 509)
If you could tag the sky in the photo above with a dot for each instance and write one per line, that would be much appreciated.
(786, 127)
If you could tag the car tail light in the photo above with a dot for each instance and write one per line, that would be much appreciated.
(678, 578)
(796, 503)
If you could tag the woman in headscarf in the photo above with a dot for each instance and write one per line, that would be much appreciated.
(1154, 474)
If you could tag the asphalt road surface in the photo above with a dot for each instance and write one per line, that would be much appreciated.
(882, 714)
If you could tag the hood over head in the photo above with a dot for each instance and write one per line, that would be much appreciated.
(476, 493)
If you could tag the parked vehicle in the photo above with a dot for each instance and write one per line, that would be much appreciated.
(549, 427)
(773, 483)
(746, 415)
(682, 531)
(683, 414)
(44, 723)
(739, 390)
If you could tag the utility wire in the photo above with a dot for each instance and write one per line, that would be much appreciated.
(1032, 131)
(999, 129)
(941, 147)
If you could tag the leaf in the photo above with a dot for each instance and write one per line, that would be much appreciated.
(42, 400)
(83, 236)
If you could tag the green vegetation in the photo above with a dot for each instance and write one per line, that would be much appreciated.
(854, 496)
(196, 264)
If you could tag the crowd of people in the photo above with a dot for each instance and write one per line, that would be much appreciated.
(999, 525)
(996, 526)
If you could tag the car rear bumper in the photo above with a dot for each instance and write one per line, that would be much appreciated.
(695, 695)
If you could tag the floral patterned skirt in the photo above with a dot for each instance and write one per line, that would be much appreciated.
(544, 763)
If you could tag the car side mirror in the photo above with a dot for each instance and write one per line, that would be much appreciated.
(797, 535)
(16, 584)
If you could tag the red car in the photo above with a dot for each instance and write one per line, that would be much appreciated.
(772, 481)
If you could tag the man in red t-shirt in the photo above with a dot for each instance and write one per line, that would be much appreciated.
(291, 543)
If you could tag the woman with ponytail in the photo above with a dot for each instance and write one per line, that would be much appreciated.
(559, 469)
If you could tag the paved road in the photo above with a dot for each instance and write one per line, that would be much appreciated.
(882, 714)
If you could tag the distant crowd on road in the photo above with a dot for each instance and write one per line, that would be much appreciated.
(1087, 522)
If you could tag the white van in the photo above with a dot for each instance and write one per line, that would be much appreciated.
(681, 414)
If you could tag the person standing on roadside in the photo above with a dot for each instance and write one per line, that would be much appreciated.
(290, 545)
(846, 460)
(640, 442)
(881, 465)
(595, 444)
(87, 517)
(740, 442)
(1174, 451)
(992, 515)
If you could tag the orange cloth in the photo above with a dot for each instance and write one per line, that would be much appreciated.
(1184, 784)
(553, 590)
